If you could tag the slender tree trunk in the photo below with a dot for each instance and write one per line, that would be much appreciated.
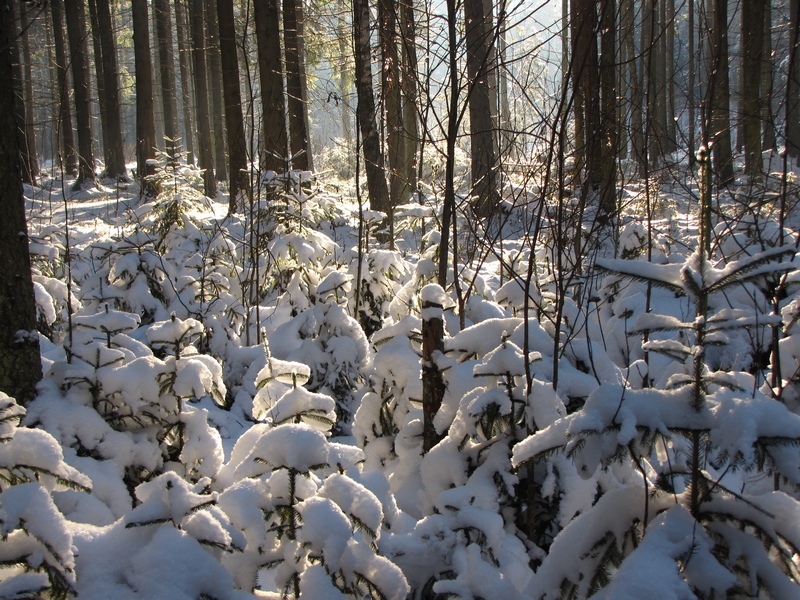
(27, 73)
(692, 77)
(275, 140)
(145, 114)
(669, 57)
(113, 147)
(752, 59)
(204, 149)
(76, 32)
(345, 54)
(587, 89)
(166, 66)
(20, 363)
(185, 66)
(410, 77)
(793, 83)
(392, 101)
(365, 112)
(102, 102)
(296, 85)
(480, 60)
(18, 86)
(608, 93)
(215, 89)
(237, 150)
(69, 154)
(720, 96)
(767, 82)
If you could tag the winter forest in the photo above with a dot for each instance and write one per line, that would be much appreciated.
(399, 299)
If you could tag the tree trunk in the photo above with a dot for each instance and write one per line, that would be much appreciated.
(767, 83)
(166, 67)
(17, 84)
(719, 95)
(392, 100)
(76, 31)
(102, 102)
(479, 34)
(638, 147)
(204, 151)
(608, 94)
(112, 121)
(145, 114)
(752, 58)
(69, 154)
(692, 75)
(27, 85)
(275, 142)
(215, 89)
(671, 143)
(20, 363)
(237, 150)
(587, 89)
(296, 85)
(365, 111)
(410, 78)
(185, 65)
(793, 84)
(345, 54)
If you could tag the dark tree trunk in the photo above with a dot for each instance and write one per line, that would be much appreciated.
(27, 84)
(479, 37)
(166, 66)
(767, 83)
(145, 113)
(608, 92)
(752, 58)
(185, 64)
(102, 101)
(586, 89)
(793, 84)
(112, 124)
(215, 89)
(237, 150)
(275, 142)
(20, 363)
(365, 111)
(392, 101)
(18, 85)
(76, 31)
(205, 155)
(719, 95)
(408, 165)
(69, 154)
(296, 86)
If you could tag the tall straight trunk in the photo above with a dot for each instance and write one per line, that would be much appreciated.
(145, 114)
(365, 111)
(69, 154)
(76, 32)
(669, 58)
(20, 362)
(752, 59)
(692, 75)
(215, 89)
(102, 102)
(587, 89)
(234, 120)
(719, 95)
(296, 84)
(635, 85)
(204, 151)
(166, 67)
(480, 59)
(793, 84)
(608, 97)
(345, 53)
(275, 141)
(18, 86)
(27, 85)
(187, 84)
(767, 82)
(392, 100)
(410, 77)
(113, 148)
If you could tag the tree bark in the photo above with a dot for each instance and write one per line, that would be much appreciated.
(365, 111)
(112, 125)
(27, 85)
(69, 154)
(296, 85)
(410, 78)
(392, 100)
(586, 90)
(275, 141)
(18, 87)
(719, 96)
(166, 66)
(185, 65)
(793, 84)
(215, 89)
(751, 73)
(608, 93)
(237, 149)
(20, 363)
(204, 151)
(145, 113)
(76, 32)
(767, 83)
(479, 34)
